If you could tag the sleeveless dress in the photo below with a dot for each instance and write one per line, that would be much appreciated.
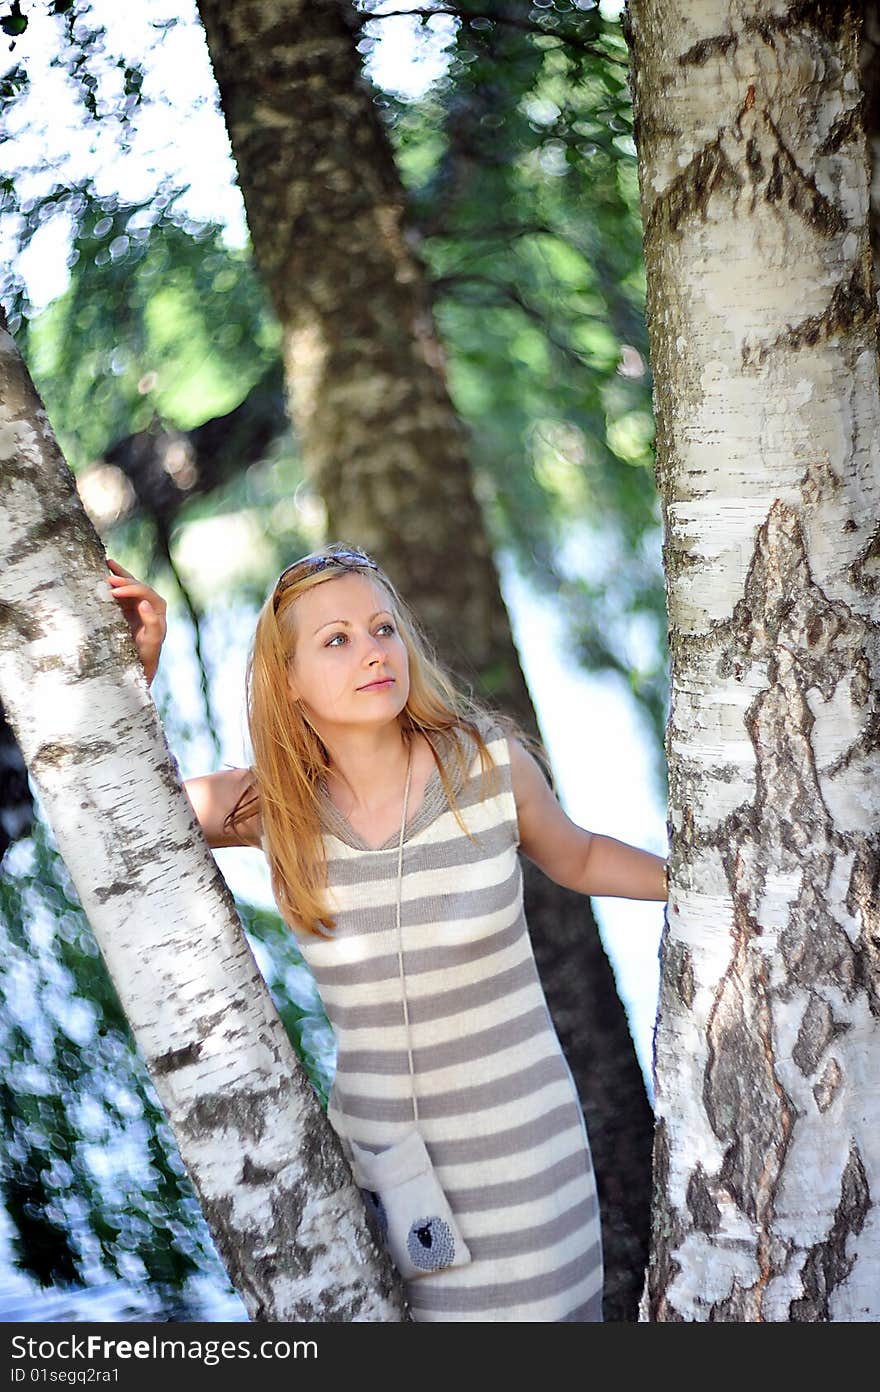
(498, 1110)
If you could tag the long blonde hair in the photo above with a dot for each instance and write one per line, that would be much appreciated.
(290, 758)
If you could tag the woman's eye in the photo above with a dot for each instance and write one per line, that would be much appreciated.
(389, 626)
(331, 642)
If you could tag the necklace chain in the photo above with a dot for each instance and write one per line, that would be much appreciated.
(412, 1076)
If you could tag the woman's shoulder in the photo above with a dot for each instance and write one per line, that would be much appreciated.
(477, 746)
(495, 730)
(490, 774)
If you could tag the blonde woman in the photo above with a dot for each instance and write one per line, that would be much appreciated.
(392, 811)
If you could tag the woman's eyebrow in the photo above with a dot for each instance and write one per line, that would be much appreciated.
(345, 623)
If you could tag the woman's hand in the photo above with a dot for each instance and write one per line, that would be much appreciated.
(144, 612)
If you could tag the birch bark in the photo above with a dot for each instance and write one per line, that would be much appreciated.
(869, 71)
(388, 454)
(274, 1186)
(763, 326)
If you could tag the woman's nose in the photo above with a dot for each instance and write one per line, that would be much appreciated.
(372, 651)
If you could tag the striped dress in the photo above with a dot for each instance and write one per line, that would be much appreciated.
(498, 1110)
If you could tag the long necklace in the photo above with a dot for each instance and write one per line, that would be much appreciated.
(412, 1076)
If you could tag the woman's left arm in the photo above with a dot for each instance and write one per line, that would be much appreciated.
(581, 860)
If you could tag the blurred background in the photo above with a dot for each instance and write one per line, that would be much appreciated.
(129, 284)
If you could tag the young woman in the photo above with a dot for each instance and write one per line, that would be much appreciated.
(391, 810)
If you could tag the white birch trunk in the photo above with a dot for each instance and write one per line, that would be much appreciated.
(273, 1183)
(763, 323)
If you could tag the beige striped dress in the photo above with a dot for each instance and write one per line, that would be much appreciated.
(497, 1106)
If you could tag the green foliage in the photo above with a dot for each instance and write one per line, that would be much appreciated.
(14, 23)
(162, 322)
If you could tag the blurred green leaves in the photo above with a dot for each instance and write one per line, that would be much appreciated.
(14, 23)
(161, 321)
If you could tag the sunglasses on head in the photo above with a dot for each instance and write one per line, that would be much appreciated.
(344, 558)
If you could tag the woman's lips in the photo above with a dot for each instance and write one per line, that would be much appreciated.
(377, 685)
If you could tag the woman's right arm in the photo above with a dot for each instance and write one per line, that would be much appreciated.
(214, 795)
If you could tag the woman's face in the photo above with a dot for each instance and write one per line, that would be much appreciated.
(349, 665)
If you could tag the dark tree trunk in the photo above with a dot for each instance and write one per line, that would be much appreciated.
(384, 447)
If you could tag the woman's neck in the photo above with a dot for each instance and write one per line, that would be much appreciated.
(368, 767)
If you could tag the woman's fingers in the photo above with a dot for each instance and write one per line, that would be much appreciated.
(127, 589)
(134, 593)
(153, 619)
(144, 611)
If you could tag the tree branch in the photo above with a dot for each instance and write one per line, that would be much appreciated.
(215, 452)
(506, 292)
